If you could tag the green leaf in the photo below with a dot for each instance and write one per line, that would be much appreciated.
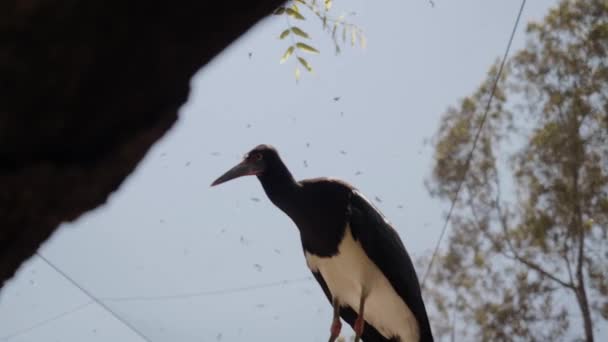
(307, 48)
(293, 13)
(327, 5)
(302, 2)
(284, 34)
(479, 260)
(297, 74)
(279, 11)
(353, 37)
(305, 64)
(299, 32)
(324, 22)
(286, 55)
(344, 34)
(363, 40)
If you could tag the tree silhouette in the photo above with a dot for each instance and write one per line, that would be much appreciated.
(528, 252)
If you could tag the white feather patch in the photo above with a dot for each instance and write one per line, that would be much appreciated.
(351, 271)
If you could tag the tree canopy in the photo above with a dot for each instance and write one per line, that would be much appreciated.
(527, 257)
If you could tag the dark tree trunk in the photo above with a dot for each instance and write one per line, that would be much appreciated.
(581, 295)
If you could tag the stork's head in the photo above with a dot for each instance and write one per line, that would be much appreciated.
(261, 159)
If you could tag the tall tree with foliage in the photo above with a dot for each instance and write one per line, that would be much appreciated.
(527, 257)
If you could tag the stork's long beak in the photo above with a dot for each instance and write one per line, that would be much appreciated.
(244, 168)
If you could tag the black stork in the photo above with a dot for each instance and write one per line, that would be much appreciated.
(352, 250)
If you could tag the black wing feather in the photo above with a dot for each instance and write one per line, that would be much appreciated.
(370, 334)
(383, 246)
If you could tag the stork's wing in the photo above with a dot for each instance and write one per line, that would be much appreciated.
(370, 334)
(384, 247)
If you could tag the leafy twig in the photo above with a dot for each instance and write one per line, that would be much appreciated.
(292, 12)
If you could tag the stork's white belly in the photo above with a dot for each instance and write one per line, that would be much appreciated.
(351, 271)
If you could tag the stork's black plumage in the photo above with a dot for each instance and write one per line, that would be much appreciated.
(353, 252)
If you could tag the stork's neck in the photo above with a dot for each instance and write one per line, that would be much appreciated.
(280, 186)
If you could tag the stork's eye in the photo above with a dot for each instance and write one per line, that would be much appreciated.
(253, 156)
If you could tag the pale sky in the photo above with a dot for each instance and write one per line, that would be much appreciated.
(166, 232)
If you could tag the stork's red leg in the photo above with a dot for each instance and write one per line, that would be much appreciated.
(336, 325)
(360, 322)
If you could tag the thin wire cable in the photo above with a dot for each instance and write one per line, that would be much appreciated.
(477, 134)
(161, 297)
(45, 322)
(209, 292)
(94, 299)
(147, 298)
